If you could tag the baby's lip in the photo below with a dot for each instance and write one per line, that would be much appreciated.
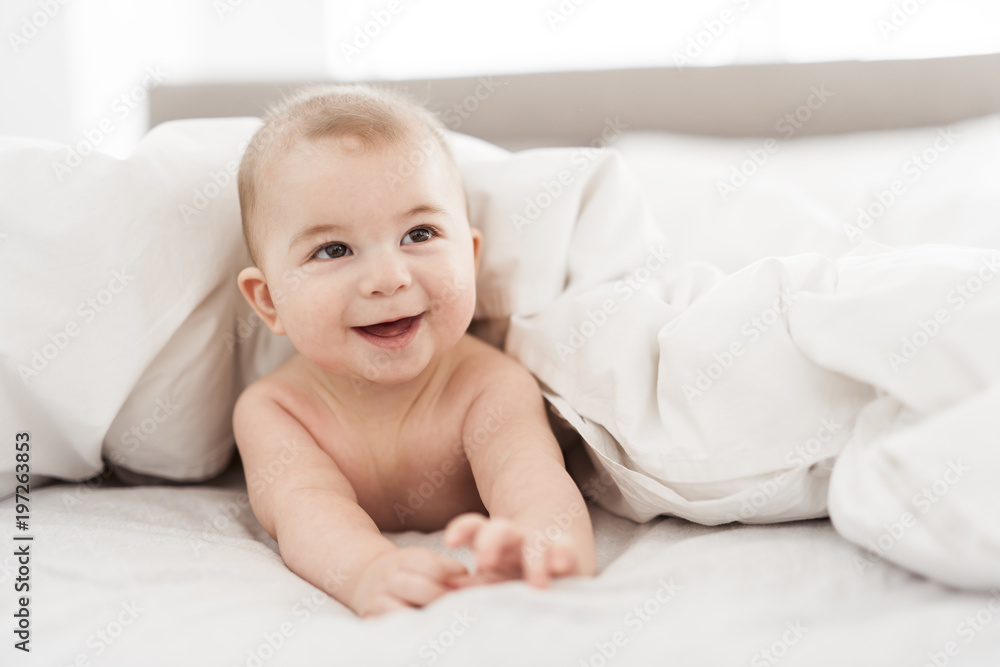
(391, 334)
(389, 321)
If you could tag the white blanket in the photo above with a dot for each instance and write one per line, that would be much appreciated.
(856, 379)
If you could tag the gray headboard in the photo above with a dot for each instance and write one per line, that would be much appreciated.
(571, 108)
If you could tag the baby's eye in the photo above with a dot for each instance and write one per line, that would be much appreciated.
(332, 251)
(420, 235)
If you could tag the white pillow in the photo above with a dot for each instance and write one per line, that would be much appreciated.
(117, 279)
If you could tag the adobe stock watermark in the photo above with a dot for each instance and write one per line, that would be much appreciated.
(9, 567)
(268, 473)
(75, 495)
(562, 12)
(634, 620)
(597, 485)
(753, 329)
(88, 310)
(967, 629)
(712, 29)
(913, 168)
(216, 184)
(221, 520)
(900, 15)
(787, 126)
(104, 637)
(418, 496)
(924, 500)
(801, 455)
(245, 326)
(453, 290)
(32, 25)
(435, 647)
(461, 111)
(288, 283)
(121, 108)
(597, 318)
(925, 330)
(453, 116)
(365, 34)
(225, 7)
(551, 189)
(303, 610)
(779, 647)
(218, 181)
(408, 164)
(162, 410)
(538, 543)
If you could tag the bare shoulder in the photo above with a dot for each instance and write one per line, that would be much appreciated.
(287, 386)
(274, 413)
(483, 368)
(503, 396)
(506, 414)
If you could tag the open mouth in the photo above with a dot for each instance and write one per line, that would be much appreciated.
(394, 333)
(390, 329)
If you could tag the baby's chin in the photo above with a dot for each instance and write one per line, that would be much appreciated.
(378, 371)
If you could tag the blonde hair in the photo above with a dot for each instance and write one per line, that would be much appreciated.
(379, 117)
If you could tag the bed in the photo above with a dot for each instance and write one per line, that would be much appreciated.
(128, 569)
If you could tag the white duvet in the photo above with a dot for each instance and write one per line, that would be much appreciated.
(855, 373)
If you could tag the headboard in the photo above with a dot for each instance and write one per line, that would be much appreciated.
(571, 108)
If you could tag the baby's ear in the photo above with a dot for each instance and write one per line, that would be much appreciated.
(253, 286)
(477, 247)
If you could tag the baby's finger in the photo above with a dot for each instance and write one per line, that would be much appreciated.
(413, 588)
(535, 567)
(462, 529)
(432, 564)
(562, 560)
(477, 579)
(495, 540)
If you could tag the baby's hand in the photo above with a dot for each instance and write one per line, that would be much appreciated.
(502, 552)
(403, 579)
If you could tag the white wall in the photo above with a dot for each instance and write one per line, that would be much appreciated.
(34, 77)
(85, 67)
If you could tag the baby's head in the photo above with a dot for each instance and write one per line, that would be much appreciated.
(356, 220)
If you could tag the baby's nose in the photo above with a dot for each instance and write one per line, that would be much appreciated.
(388, 275)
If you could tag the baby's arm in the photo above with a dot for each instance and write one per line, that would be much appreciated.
(301, 498)
(539, 526)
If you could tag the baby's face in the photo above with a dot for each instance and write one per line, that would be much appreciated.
(372, 274)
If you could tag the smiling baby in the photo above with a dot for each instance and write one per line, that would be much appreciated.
(352, 191)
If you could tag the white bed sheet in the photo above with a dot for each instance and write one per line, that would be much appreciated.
(186, 576)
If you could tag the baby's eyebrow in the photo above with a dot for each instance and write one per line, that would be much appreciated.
(315, 230)
(423, 208)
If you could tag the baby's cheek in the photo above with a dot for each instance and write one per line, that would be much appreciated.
(455, 296)
(310, 329)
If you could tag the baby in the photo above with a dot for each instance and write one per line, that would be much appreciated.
(390, 416)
